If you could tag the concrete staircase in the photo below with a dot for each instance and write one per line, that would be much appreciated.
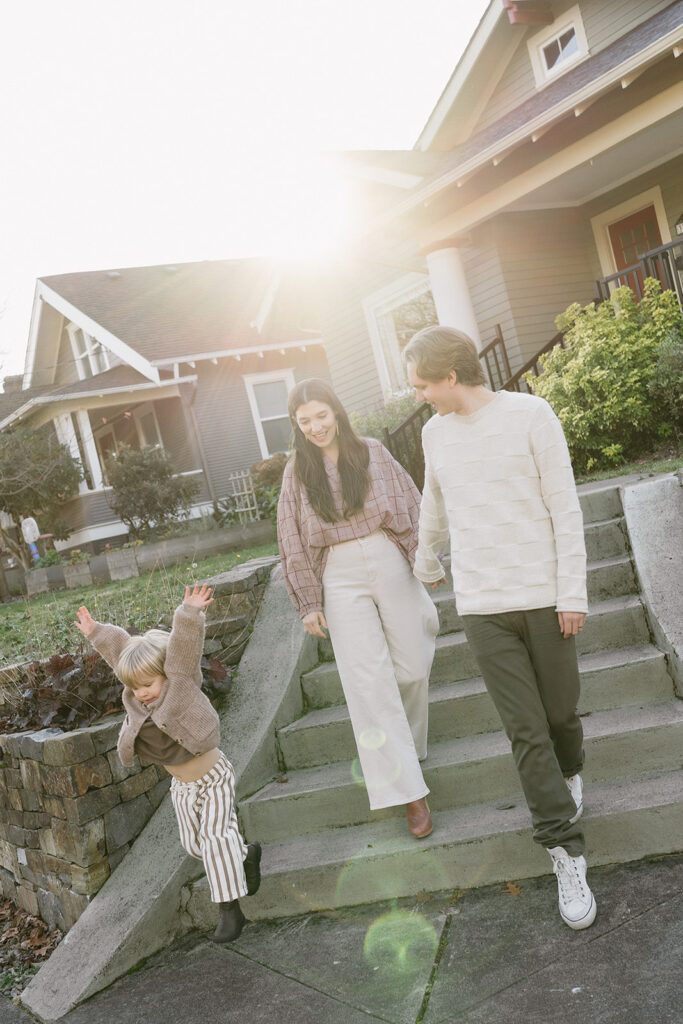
(323, 848)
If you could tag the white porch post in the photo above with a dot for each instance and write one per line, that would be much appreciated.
(451, 293)
(66, 434)
(90, 449)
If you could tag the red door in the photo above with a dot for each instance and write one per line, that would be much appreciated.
(630, 238)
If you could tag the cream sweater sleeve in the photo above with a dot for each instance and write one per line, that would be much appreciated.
(433, 528)
(558, 490)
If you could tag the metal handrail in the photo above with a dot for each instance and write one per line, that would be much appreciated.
(660, 263)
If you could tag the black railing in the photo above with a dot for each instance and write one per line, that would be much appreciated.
(495, 358)
(665, 264)
(405, 443)
(517, 382)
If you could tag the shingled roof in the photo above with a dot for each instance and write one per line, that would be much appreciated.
(188, 309)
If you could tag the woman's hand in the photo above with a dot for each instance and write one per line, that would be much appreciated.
(437, 583)
(314, 623)
(85, 622)
(198, 598)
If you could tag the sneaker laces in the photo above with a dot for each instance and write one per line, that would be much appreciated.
(569, 879)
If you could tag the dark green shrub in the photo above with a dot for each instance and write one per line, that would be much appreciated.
(600, 383)
(145, 493)
(395, 410)
(666, 386)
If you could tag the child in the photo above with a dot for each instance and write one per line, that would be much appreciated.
(169, 721)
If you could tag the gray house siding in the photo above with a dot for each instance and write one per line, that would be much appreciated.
(604, 22)
(223, 413)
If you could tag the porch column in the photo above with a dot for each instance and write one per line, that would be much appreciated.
(90, 448)
(451, 293)
(64, 428)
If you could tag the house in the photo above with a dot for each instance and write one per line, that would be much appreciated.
(550, 166)
(197, 358)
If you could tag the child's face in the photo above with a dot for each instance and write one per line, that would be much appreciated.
(148, 689)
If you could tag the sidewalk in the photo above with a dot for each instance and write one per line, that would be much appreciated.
(495, 955)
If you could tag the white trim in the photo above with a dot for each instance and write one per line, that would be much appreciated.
(66, 435)
(602, 222)
(143, 410)
(267, 302)
(83, 397)
(566, 106)
(286, 375)
(90, 326)
(91, 453)
(376, 308)
(226, 352)
(463, 70)
(570, 18)
(629, 124)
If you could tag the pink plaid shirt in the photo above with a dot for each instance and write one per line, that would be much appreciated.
(392, 505)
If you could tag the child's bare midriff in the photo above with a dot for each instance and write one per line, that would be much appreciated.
(192, 770)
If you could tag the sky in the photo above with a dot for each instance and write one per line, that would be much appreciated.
(166, 131)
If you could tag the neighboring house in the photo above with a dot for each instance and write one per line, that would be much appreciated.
(197, 358)
(552, 160)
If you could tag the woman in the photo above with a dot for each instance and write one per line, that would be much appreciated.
(347, 528)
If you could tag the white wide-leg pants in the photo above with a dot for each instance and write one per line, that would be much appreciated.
(383, 626)
(205, 810)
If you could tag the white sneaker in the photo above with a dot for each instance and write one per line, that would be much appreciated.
(575, 786)
(576, 902)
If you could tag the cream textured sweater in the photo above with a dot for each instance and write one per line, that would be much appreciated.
(500, 482)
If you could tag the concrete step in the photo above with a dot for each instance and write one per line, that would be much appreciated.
(599, 502)
(605, 539)
(610, 577)
(617, 622)
(611, 679)
(625, 819)
(459, 771)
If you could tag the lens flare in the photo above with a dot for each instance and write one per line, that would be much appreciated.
(372, 739)
(400, 941)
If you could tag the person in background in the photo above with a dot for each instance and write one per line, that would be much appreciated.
(347, 529)
(498, 479)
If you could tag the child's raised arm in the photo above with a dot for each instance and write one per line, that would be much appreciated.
(108, 641)
(186, 642)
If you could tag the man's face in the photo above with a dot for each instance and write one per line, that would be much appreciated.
(440, 394)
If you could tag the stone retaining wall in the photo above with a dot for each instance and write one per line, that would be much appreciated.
(69, 810)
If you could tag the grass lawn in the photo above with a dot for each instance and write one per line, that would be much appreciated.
(648, 465)
(44, 625)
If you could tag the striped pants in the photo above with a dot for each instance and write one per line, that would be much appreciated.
(205, 810)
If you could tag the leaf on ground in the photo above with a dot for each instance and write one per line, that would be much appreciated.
(513, 889)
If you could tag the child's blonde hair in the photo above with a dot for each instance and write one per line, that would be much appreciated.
(142, 657)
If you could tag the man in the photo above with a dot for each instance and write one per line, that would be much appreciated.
(498, 478)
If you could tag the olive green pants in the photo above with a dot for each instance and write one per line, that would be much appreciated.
(532, 675)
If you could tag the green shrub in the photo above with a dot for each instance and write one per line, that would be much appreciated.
(395, 410)
(666, 386)
(51, 557)
(145, 493)
(601, 383)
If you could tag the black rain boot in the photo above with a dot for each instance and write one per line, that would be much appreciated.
(230, 922)
(252, 869)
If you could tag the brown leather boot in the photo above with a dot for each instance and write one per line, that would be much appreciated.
(419, 818)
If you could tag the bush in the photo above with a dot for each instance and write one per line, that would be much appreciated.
(601, 383)
(395, 410)
(666, 386)
(145, 493)
(51, 557)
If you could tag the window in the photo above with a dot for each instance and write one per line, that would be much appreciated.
(558, 47)
(133, 427)
(393, 315)
(267, 394)
(90, 356)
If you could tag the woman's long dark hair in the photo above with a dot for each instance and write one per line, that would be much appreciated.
(309, 467)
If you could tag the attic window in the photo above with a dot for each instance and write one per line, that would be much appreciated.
(558, 47)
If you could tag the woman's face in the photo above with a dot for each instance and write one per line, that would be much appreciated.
(318, 423)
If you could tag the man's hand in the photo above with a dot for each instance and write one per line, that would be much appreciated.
(198, 598)
(314, 623)
(85, 622)
(571, 623)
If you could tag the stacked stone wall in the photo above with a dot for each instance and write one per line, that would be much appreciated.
(69, 810)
